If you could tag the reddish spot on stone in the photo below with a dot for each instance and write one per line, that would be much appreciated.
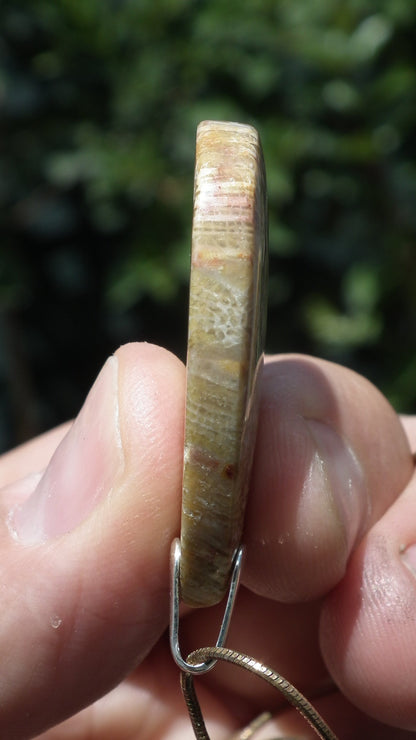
(200, 457)
(229, 471)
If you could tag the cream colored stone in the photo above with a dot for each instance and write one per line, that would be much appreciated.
(225, 345)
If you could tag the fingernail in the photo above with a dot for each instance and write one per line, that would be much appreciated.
(83, 469)
(336, 474)
(408, 555)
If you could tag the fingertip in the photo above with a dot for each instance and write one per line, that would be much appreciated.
(90, 600)
(152, 404)
(367, 623)
(331, 456)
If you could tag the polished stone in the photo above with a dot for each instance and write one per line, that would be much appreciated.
(225, 346)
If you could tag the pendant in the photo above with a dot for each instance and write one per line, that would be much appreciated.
(227, 317)
(227, 311)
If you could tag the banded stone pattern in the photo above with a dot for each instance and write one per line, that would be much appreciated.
(225, 346)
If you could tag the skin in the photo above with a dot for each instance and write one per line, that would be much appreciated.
(328, 595)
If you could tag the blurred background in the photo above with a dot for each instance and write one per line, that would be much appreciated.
(99, 102)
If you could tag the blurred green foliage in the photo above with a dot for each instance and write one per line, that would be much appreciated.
(99, 102)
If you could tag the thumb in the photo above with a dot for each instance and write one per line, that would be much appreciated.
(84, 556)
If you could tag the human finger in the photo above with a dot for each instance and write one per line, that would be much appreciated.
(30, 457)
(84, 555)
(331, 456)
(367, 625)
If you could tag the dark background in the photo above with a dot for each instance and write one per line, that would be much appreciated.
(99, 102)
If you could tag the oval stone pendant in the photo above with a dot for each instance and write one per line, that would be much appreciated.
(225, 345)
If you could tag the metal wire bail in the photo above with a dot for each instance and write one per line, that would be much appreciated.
(205, 666)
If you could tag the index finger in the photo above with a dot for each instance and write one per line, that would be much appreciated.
(331, 456)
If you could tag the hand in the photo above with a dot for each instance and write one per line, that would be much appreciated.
(329, 586)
